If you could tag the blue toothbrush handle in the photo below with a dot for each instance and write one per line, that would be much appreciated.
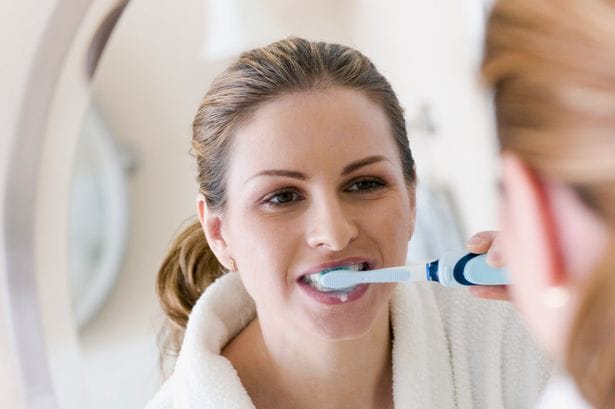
(472, 269)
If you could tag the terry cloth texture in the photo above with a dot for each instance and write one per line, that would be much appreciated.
(450, 350)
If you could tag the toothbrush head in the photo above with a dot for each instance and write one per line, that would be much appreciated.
(317, 280)
(341, 280)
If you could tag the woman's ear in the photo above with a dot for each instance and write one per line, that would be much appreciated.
(212, 226)
(531, 246)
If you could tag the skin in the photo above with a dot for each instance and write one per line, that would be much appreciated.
(489, 242)
(326, 216)
(549, 238)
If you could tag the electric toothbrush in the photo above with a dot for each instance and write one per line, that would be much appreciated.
(453, 269)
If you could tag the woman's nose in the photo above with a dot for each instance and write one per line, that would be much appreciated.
(330, 225)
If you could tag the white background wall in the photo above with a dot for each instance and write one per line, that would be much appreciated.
(158, 65)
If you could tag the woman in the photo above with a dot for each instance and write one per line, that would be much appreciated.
(552, 67)
(303, 166)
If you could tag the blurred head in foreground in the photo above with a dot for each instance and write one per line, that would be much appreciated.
(551, 65)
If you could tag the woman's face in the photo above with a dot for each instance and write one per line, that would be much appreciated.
(315, 181)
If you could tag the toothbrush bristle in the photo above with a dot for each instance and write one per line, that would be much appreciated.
(330, 286)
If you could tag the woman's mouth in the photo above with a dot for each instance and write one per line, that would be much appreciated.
(311, 283)
(313, 280)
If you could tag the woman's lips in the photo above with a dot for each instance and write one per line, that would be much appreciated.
(334, 297)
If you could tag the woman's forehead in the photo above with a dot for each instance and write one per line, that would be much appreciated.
(312, 129)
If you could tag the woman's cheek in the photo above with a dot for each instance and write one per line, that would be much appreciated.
(394, 232)
(267, 247)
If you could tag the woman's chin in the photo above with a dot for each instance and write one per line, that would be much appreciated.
(339, 324)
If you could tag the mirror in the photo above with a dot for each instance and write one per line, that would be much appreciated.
(156, 67)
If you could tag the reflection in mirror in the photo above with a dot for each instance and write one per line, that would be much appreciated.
(156, 68)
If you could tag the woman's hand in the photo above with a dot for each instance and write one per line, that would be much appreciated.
(487, 242)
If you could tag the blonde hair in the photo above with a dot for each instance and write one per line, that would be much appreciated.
(257, 77)
(552, 67)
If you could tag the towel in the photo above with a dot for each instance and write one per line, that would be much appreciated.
(450, 350)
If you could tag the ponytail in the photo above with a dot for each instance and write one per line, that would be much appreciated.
(187, 269)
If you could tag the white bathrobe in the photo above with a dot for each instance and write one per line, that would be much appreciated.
(450, 350)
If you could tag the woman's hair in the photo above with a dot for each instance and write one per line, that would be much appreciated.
(552, 67)
(256, 78)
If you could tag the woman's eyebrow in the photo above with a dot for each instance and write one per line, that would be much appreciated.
(280, 172)
(302, 176)
(362, 162)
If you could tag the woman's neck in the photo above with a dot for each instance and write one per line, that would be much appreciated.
(282, 372)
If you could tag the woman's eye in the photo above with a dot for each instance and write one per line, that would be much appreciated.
(283, 197)
(365, 185)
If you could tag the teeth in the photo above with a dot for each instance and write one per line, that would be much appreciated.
(314, 279)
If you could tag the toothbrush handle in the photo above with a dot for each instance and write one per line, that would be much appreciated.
(472, 269)
(340, 279)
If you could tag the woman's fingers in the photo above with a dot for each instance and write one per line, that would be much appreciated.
(481, 241)
(491, 292)
(488, 242)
